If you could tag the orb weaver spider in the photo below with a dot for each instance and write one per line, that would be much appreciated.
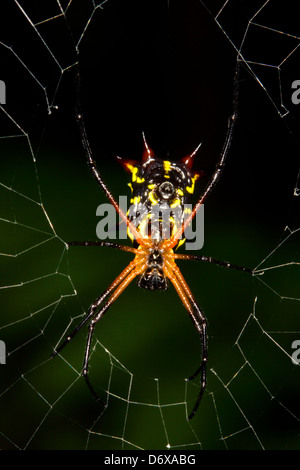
(154, 181)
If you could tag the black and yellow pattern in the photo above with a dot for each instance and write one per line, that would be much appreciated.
(160, 189)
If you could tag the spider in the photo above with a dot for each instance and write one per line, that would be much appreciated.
(155, 182)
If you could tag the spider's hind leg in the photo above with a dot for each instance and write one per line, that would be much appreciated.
(132, 270)
(200, 323)
(199, 320)
(84, 372)
(201, 328)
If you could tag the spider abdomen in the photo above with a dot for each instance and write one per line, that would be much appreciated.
(161, 190)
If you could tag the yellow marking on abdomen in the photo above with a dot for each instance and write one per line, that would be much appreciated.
(167, 166)
(152, 198)
(175, 203)
(135, 200)
(190, 189)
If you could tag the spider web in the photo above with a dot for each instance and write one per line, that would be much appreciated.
(165, 69)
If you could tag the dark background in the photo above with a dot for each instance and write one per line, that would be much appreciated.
(167, 72)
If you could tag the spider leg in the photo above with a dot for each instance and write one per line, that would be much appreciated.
(122, 286)
(220, 165)
(95, 305)
(103, 243)
(209, 259)
(199, 320)
(93, 167)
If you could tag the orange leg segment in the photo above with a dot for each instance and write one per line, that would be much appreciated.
(198, 318)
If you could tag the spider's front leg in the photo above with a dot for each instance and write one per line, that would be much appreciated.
(199, 320)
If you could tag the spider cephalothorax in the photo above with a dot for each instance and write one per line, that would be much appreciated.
(154, 278)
